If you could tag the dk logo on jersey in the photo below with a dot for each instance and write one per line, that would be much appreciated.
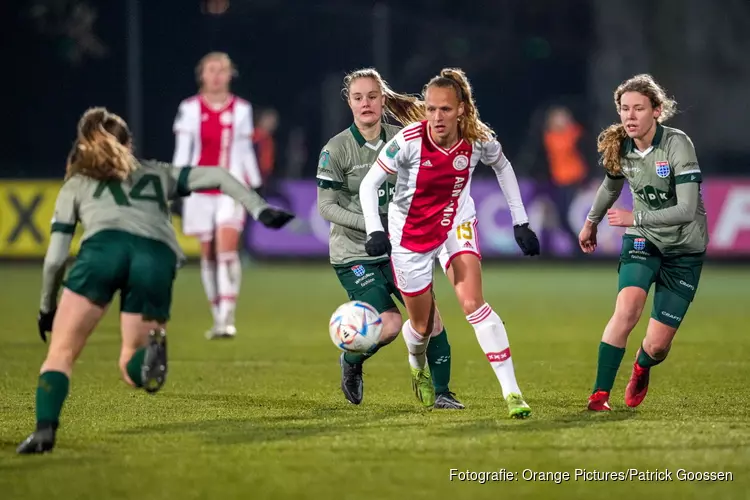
(662, 169)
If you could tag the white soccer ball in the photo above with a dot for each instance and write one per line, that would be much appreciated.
(355, 327)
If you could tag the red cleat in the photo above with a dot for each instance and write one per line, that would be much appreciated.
(637, 387)
(599, 401)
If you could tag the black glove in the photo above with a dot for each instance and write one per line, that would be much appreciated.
(274, 218)
(44, 322)
(384, 222)
(526, 239)
(378, 244)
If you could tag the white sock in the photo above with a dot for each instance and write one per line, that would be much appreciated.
(208, 276)
(229, 277)
(493, 339)
(417, 346)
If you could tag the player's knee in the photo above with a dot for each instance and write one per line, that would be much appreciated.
(471, 304)
(629, 306)
(392, 324)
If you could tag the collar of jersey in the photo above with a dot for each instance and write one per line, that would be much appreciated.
(361, 141)
(628, 145)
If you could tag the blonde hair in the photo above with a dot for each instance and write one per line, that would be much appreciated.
(403, 108)
(102, 147)
(609, 142)
(213, 56)
(471, 127)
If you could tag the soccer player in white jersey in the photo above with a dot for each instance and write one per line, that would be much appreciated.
(214, 128)
(432, 215)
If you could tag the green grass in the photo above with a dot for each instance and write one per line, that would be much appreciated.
(262, 416)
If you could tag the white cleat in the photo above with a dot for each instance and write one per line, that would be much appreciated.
(227, 332)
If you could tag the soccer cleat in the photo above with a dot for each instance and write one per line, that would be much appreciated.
(448, 401)
(599, 401)
(517, 407)
(228, 332)
(421, 383)
(154, 368)
(40, 441)
(637, 387)
(352, 384)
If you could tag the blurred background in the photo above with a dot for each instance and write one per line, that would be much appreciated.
(543, 73)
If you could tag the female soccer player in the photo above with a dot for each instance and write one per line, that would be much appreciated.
(342, 165)
(432, 215)
(129, 245)
(215, 128)
(666, 237)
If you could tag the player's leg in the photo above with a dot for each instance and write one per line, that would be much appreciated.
(230, 219)
(146, 302)
(675, 289)
(364, 281)
(198, 215)
(639, 263)
(438, 352)
(88, 290)
(413, 272)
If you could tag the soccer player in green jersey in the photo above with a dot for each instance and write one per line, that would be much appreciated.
(128, 244)
(666, 237)
(343, 163)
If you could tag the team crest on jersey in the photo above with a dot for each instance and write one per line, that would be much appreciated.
(226, 118)
(324, 159)
(392, 150)
(358, 270)
(639, 244)
(460, 162)
(662, 169)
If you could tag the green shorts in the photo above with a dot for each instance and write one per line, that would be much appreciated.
(370, 282)
(676, 277)
(142, 269)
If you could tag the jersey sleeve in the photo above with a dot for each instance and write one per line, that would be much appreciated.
(492, 153)
(177, 181)
(683, 160)
(183, 137)
(330, 173)
(394, 154)
(65, 217)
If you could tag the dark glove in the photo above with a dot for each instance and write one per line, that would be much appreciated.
(44, 322)
(384, 222)
(526, 239)
(274, 218)
(378, 244)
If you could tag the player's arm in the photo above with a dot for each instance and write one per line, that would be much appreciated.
(606, 196)
(185, 180)
(62, 230)
(392, 154)
(250, 171)
(330, 179)
(493, 156)
(183, 138)
(687, 178)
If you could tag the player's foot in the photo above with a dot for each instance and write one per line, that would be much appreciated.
(599, 401)
(352, 384)
(227, 332)
(421, 383)
(517, 407)
(40, 441)
(154, 368)
(637, 387)
(448, 401)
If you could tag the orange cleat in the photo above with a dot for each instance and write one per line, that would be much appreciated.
(637, 387)
(599, 401)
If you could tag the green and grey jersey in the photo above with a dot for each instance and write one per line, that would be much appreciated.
(664, 180)
(343, 163)
(137, 205)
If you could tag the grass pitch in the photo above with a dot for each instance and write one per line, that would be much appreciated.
(262, 416)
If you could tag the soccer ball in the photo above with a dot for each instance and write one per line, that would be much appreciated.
(355, 327)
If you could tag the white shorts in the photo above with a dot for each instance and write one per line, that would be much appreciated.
(413, 271)
(203, 214)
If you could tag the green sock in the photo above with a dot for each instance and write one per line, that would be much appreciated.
(439, 360)
(50, 396)
(646, 361)
(134, 366)
(610, 358)
(357, 358)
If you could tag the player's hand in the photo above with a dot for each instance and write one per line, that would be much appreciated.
(384, 222)
(587, 237)
(378, 244)
(274, 218)
(44, 322)
(526, 239)
(620, 217)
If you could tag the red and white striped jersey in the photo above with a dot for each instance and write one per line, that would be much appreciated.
(433, 187)
(217, 137)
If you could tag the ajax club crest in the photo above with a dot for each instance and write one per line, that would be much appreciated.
(460, 162)
(662, 169)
